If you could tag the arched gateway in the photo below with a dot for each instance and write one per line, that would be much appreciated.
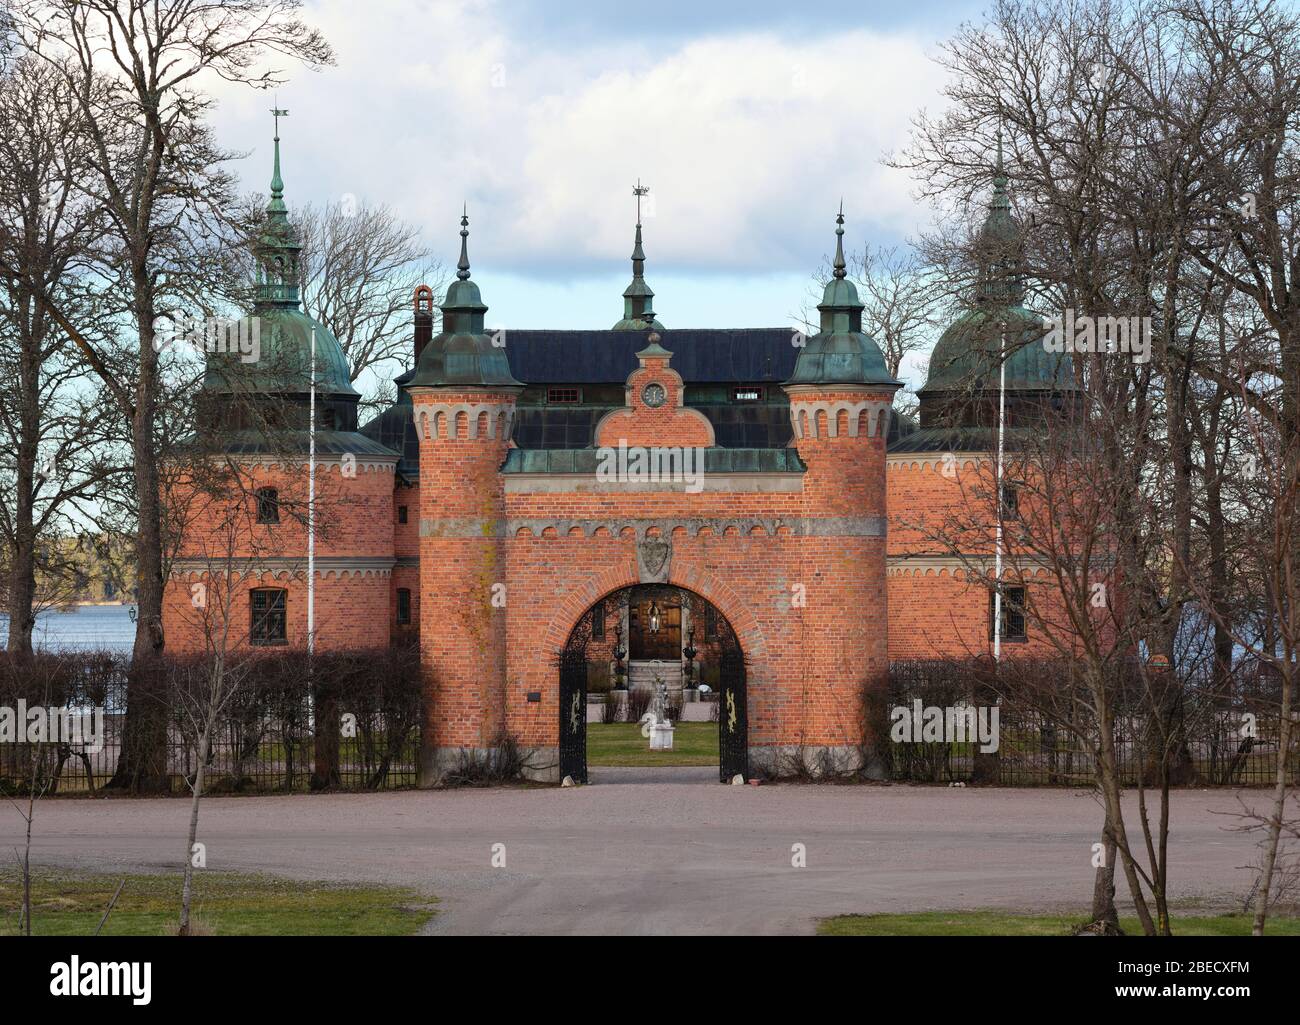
(639, 637)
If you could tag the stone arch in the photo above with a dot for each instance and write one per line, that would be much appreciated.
(602, 584)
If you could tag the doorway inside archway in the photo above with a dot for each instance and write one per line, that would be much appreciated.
(645, 654)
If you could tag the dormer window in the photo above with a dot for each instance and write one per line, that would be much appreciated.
(746, 394)
(563, 396)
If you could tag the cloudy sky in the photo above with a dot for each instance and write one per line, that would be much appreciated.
(748, 120)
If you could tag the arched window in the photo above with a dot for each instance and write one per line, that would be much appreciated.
(268, 505)
(267, 616)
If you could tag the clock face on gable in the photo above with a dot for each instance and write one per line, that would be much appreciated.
(654, 395)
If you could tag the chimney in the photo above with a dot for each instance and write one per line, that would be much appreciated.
(423, 319)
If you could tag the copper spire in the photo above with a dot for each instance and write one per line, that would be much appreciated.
(840, 267)
(462, 267)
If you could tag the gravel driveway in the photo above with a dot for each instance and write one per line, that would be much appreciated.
(661, 851)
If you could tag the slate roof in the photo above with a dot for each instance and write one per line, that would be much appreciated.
(705, 356)
(700, 355)
(297, 442)
(955, 439)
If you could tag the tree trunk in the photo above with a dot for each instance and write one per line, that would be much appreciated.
(142, 763)
(187, 887)
(1104, 915)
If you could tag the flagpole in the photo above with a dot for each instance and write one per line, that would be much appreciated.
(311, 507)
(1002, 429)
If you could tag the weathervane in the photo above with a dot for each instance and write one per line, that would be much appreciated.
(278, 113)
(639, 190)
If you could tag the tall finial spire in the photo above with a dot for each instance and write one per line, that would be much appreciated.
(277, 245)
(462, 268)
(276, 205)
(999, 172)
(841, 270)
(638, 299)
(999, 240)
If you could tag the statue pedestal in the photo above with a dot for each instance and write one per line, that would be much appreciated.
(661, 737)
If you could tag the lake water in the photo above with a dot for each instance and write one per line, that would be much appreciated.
(84, 628)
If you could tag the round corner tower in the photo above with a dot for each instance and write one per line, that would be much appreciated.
(841, 396)
(464, 398)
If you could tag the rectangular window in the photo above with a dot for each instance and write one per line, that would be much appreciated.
(1010, 502)
(563, 396)
(267, 609)
(747, 395)
(1013, 613)
(403, 606)
(710, 623)
(401, 514)
(598, 621)
(268, 505)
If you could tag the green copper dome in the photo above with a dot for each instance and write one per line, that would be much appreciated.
(283, 344)
(840, 353)
(966, 358)
(463, 355)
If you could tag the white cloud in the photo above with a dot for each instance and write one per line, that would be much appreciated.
(748, 140)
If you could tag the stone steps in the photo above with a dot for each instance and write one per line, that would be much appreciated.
(641, 675)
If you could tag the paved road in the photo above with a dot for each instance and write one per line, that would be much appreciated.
(660, 851)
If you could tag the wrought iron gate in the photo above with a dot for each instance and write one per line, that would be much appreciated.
(733, 716)
(573, 714)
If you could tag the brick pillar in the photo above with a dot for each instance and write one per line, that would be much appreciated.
(464, 433)
(841, 433)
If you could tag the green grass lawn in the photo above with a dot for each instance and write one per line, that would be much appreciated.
(609, 744)
(998, 923)
(225, 903)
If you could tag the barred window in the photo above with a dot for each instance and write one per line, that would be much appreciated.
(267, 610)
(403, 606)
(1013, 613)
(1010, 502)
(268, 505)
(710, 623)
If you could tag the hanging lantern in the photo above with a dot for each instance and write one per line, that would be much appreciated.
(654, 618)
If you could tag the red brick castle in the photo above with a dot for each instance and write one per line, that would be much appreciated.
(552, 511)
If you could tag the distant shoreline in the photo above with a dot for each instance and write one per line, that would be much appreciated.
(85, 605)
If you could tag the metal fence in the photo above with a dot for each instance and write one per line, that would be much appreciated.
(1213, 738)
(354, 725)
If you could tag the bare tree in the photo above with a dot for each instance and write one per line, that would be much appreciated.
(360, 265)
(137, 69)
(54, 462)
